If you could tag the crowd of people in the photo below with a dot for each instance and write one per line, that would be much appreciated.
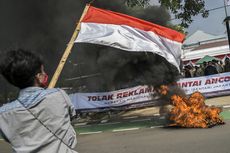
(206, 68)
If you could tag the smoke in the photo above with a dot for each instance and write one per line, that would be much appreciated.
(120, 69)
(46, 27)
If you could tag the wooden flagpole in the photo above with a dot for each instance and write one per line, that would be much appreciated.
(67, 50)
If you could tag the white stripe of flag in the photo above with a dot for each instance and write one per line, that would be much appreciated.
(130, 34)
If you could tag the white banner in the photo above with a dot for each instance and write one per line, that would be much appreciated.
(112, 99)
(212, 85)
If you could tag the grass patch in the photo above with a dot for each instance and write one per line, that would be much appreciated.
(123, 125)
(226, 115)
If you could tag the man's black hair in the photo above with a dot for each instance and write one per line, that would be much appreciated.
(19, 67)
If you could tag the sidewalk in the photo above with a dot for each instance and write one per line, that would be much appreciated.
(218, 101)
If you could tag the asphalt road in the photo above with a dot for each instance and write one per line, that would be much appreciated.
(159, 140)
(154, 140)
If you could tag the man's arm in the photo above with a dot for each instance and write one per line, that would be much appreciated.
(72, 111)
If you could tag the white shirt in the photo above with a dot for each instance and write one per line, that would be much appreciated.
(47, 130)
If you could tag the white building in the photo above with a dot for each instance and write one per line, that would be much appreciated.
(199, 44)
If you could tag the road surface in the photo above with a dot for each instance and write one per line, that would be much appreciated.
(154, 140)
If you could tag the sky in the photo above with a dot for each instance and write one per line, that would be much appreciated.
(213, 24)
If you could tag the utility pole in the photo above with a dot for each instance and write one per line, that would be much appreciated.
(226, 20)
(225, 8)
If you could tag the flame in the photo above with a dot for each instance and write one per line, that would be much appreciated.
(192, 112)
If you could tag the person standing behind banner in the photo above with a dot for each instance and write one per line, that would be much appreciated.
(198, 71)
(187, 72)
(203, 66)
(210, 69)
(39, 120)
(218, 66)
(221, 65)
(227, 65)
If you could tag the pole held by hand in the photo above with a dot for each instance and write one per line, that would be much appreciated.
(67, 50)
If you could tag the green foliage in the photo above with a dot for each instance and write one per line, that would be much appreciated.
(185, 9)
(179, 28)
(182, 9)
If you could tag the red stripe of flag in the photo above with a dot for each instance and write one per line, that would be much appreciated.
(96, 15)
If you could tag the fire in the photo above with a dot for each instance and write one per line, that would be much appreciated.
(192, 112)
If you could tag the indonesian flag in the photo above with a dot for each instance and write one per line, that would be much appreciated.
(128, 33)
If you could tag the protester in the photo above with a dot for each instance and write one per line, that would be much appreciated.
(187, 71)
(198, 72)
(227, 65)
(221, 65)
(218, 66)
(38, 121)
(210, 69)
(203, 66)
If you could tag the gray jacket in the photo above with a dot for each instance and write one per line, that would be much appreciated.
(39, 122)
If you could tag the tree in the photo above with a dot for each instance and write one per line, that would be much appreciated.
(178, 28)
(182, 9)
(185, 9)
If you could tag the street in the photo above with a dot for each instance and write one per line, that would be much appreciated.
(157, 140)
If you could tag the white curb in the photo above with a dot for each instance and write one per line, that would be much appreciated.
(152, 127)
(80, 124)
(90, 133)
(130, 129)
(227, 106)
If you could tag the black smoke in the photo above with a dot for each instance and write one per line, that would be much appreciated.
(46, 27)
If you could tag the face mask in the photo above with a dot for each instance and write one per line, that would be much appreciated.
(44, 83)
